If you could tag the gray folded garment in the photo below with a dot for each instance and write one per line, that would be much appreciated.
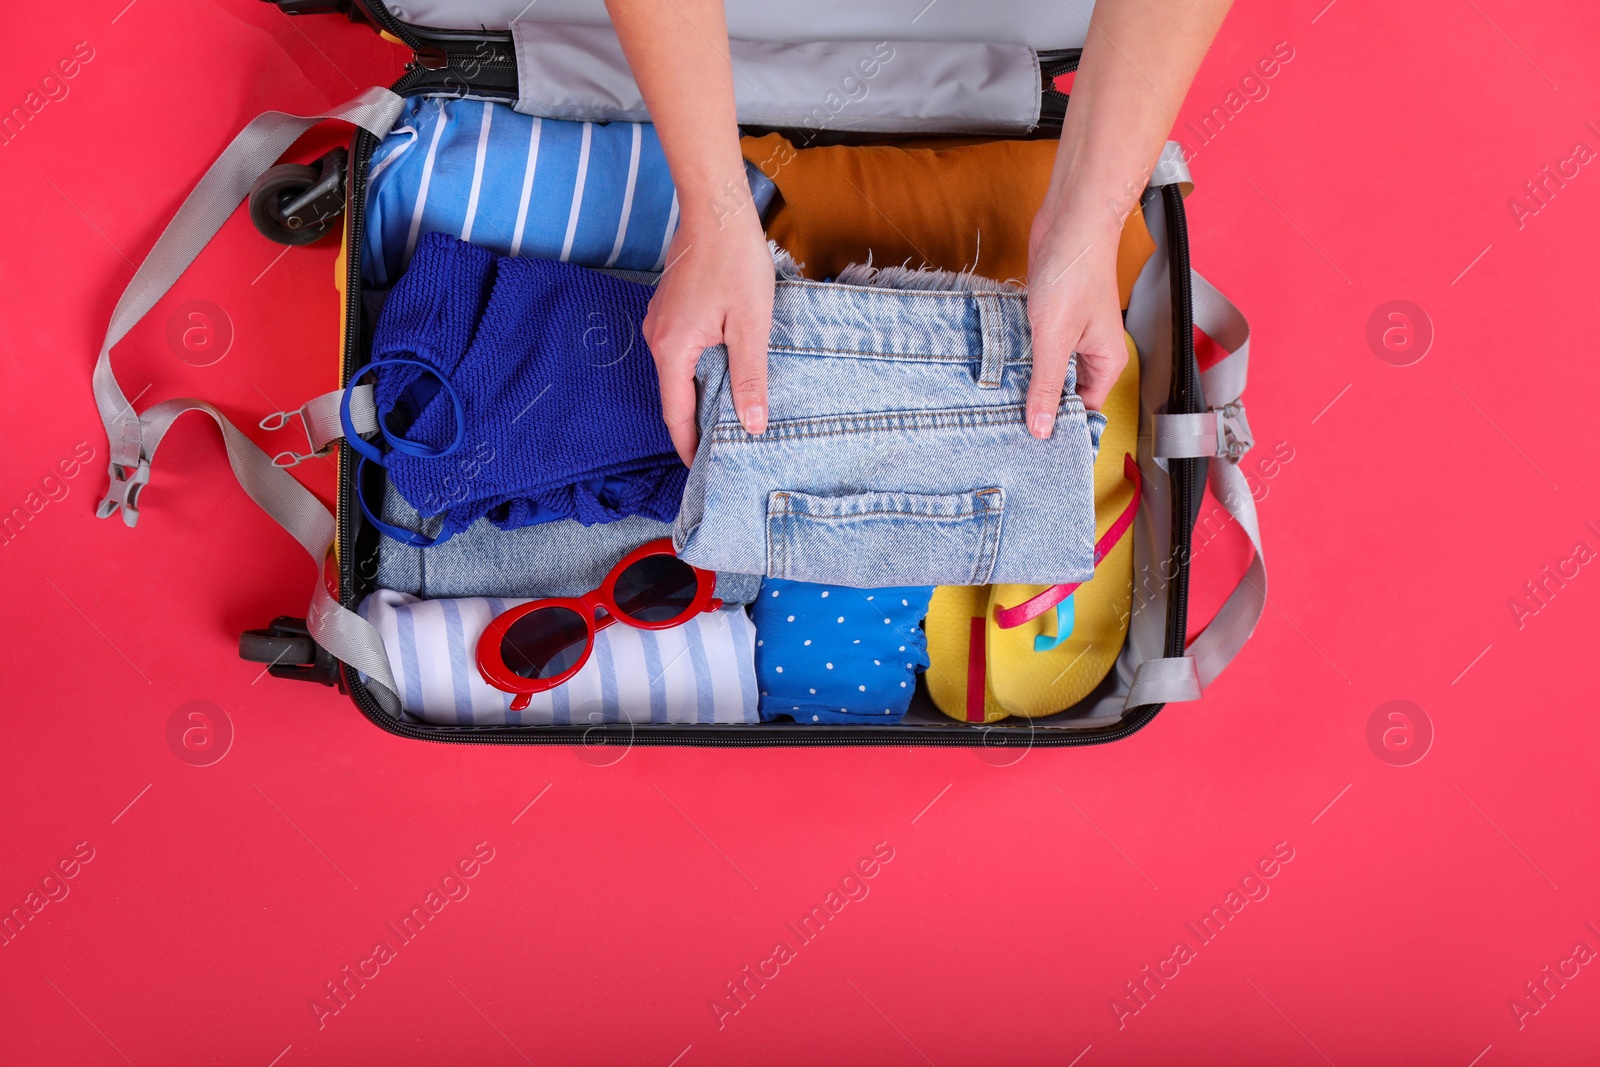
(551, 559)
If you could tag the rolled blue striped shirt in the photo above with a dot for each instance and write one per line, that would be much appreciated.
(700, 672)
(596, 194)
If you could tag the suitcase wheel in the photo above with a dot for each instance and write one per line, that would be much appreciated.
(259, 646)
(294, 204)
(288, 650)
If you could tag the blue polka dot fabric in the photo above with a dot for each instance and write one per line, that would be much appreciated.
(833, 654)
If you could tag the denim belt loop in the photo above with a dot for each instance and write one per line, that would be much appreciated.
(992, 336)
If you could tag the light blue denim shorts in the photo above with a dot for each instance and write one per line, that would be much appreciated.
(896, 450)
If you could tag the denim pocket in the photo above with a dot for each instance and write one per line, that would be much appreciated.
(884, 539)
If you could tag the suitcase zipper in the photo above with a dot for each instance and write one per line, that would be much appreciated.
(483, 54)
(461, 53)
(1052, 101)
(1184, 399)
(420, 78)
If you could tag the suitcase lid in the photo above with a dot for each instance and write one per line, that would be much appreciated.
(1040, 24)
(547, 65)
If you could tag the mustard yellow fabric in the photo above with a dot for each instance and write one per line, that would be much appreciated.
(953, 206)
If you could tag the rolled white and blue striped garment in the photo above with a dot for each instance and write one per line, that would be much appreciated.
(595, 194)
(700, 672)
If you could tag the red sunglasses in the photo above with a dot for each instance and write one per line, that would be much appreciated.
(539, 645)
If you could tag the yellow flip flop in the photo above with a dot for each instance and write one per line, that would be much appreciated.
(958, 619)
(980, 672)
(1034, 668)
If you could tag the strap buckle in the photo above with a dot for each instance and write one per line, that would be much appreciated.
(123, 492)
(289, 457)
(1234, 438)
(320, 420)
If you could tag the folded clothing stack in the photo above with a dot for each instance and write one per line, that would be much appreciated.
(552, 559)
(524, 392)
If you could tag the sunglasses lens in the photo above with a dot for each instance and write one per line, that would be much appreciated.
(656, 589)
(544, 643)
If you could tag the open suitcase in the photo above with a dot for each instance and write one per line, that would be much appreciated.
(1192, 426)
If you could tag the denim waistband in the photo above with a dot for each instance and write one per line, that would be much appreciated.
(867, 322)
(729, 431)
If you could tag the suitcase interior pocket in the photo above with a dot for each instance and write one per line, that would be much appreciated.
(886, 539)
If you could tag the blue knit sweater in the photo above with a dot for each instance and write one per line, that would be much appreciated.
(562, 403)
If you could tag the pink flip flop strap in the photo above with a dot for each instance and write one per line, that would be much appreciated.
(1032, 608)
(977, 679)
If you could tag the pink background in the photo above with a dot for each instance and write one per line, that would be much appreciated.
(1020, 898)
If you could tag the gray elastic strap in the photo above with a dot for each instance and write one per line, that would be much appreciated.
(1217, 317)
(343, 633)
(1172, 168)
(134, 438)
(1221, 432)
(1168, 680)
(207, 207)
(320, 422)
(1224, 429)
(1184, 436)
(321, 416)
(1215, 646)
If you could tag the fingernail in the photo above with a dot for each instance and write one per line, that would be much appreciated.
(754, 419)
(1040, 424)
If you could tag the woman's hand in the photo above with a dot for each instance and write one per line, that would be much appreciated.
(1073, 307)
(717, 289)
(718, 280)
(1137, 64)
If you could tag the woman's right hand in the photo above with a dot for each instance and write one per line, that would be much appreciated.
(717, 289)
(718, 281)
